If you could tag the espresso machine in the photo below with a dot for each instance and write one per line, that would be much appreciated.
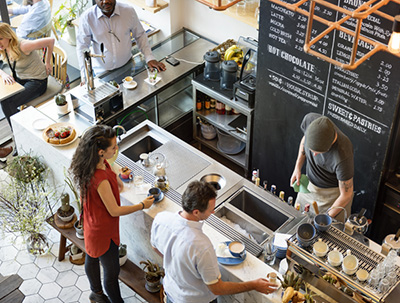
(312, 270)
(98, 100)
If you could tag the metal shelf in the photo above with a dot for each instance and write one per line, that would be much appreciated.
(221, 122)
(239, 159)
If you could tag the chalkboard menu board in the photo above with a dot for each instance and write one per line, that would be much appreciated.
(291, 83)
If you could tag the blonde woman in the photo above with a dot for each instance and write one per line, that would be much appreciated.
(26, 65)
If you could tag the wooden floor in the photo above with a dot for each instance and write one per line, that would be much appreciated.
(9, 292)
(5, 132)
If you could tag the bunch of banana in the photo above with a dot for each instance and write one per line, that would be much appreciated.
(292, 295)
(234, 53)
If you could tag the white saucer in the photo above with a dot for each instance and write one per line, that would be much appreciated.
(131, 85)
(158, 79)
(40, 124)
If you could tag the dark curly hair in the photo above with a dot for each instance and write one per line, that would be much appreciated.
(197, 195)
(86, 156)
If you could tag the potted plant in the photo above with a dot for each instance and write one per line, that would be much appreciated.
(153, 274)
(62, 104)
(65, 212)
(66, 13)
(26, 200)
(77, 256)
(123, 254)
(79, 223)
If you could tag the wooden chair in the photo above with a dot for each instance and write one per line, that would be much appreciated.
(41, 33)
(57, 78)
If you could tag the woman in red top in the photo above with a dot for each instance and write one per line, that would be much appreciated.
(99, 188)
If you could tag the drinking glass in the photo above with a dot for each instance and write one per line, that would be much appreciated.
(384, 286)
(152, 73)
(373, 278)
(380, 269)
(392, 277)
(138, 181)
(270, 251)
(241, 8)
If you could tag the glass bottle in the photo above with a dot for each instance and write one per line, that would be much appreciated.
(220, 108)
(228, 110)
(207, 103)
(212, 103)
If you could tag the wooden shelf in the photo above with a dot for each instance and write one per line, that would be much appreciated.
(141, 3)
(248, 17)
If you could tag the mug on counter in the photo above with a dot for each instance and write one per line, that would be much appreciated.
(237, 249)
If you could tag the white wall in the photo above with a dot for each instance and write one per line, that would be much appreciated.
(197, 17)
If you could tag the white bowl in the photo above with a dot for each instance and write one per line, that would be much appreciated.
(362, 275)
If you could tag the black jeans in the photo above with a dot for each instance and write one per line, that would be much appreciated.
(110, 263)
(33, 89)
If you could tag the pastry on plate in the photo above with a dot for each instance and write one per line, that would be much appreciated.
(59, 135)
(125, 172)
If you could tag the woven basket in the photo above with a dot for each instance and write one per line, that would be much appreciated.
(223, 47)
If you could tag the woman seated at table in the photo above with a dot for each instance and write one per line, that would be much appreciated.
(26, 66)
(37, 14)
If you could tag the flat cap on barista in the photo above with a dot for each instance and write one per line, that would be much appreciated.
(320, 135)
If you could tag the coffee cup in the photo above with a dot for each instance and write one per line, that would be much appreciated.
(127, 80)
(350, 263)
(320, 248)
(335, 257)
(305, 234)
(272, 277)
(237, 249)
(155, 192)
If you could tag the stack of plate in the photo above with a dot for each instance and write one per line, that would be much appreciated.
(281, 252)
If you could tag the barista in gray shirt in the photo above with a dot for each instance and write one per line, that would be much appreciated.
(330, 166)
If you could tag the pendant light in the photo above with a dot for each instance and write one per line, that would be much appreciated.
(394, 42)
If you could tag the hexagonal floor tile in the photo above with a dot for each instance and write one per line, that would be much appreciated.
(9, 267)
(30, 287)
(70, 294)
(83, 283)
(67, 278)
(79, 270)
(33, 299)
(8, 253)
(48, 274)
(45, 261)
(24, 257)
(63, 265)
(28, 271)
(50, 290)
(85, 296)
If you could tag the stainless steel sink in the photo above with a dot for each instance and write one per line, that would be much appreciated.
(145, 145)
(248, 227)
(255, 214)
(259, 210)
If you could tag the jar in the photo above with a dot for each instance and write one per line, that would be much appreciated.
(228, 110)
(228, 74)
(212, 69)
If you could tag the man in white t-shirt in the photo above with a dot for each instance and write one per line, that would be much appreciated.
(192, 273)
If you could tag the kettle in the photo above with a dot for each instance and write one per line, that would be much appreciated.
(391, 242)
(212, 69)
(228, 74)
